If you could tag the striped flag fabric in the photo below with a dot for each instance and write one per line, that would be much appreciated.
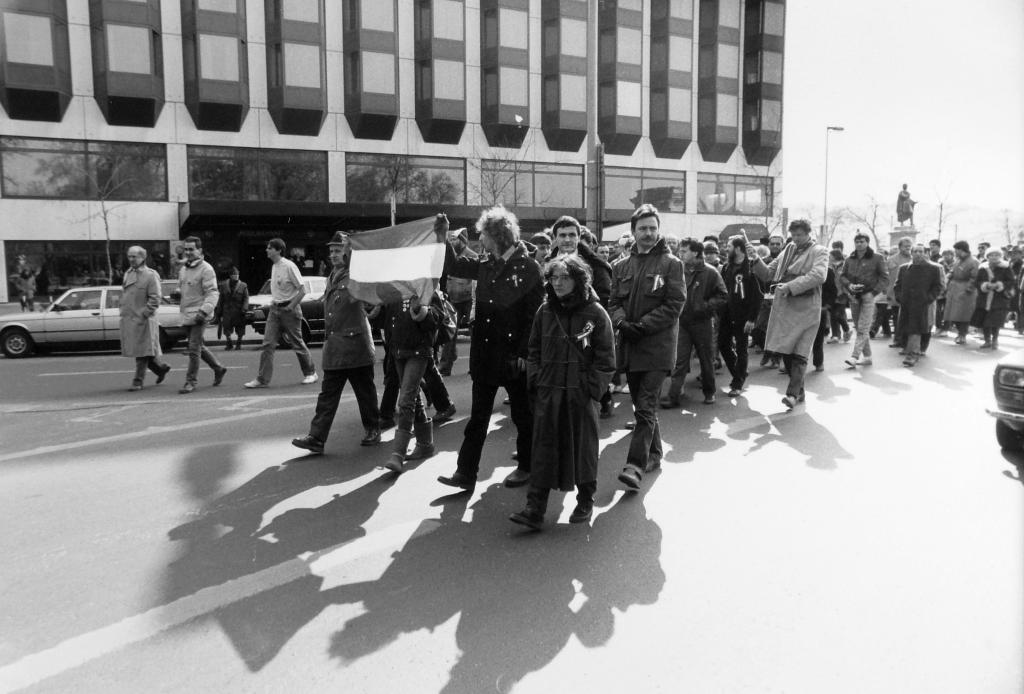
(396, 262)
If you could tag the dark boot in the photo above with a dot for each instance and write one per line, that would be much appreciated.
(397, 460)
(536, 504)
(424, 440)
(584, 510)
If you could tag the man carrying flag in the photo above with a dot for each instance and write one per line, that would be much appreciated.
(509, 290)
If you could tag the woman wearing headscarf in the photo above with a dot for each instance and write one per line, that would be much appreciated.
(996, 288)
(571, 358)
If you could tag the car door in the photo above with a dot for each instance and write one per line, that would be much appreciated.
(112, 315)
(76, 317)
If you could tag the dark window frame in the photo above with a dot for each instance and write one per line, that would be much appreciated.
(257, 178)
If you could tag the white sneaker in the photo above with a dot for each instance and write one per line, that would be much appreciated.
(864, 361)
(312, 378)
(255, 383)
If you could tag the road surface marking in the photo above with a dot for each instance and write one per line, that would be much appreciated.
(92, 373)
(35, 407)
(79, 650)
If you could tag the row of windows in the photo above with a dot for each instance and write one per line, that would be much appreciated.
(72, 169)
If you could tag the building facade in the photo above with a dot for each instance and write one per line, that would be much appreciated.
(144, 121)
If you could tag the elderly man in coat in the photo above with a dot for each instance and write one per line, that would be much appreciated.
(647, 297)
(140, 332)
(961, 290)
(795, 278)
(917, 286)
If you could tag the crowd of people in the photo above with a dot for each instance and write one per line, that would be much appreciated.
(560, 323)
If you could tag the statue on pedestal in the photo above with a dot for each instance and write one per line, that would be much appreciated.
(905, 207)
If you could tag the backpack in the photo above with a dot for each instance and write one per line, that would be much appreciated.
(449, 323)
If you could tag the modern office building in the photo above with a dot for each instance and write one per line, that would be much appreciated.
(144, 121)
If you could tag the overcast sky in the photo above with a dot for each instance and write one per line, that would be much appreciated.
(930, 93)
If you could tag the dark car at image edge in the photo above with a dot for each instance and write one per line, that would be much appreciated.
(1008, 387)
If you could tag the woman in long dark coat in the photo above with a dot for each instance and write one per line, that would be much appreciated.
(570, 361)
(996, 288)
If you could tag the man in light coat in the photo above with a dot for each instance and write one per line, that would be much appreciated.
(197, 286)
(647, 297)
(795, 278)
(140, 332)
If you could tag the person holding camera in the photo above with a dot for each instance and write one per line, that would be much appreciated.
(864, 276)
(795, 279)
(197, 286)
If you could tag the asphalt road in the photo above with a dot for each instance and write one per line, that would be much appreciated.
(869, 542)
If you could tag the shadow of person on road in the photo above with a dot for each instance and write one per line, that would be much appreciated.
(799, 431)
(885, 385)
(514, 596)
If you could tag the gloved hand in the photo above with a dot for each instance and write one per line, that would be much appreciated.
(631, 331)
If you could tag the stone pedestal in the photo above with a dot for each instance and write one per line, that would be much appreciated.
(900, 232)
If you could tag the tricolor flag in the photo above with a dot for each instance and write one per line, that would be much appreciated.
(396, 263)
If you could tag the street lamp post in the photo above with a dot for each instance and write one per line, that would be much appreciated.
(824, 212)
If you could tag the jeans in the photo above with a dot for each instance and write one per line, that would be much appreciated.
(732, 345)
(410, 406)
(433, 386)
(196, 350)
(863, 309)
(645, 444)
(480, 419)
(282, 320)
(143, 363)
(361, 378)
(693, 335)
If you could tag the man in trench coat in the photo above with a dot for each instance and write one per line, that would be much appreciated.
(140, 332)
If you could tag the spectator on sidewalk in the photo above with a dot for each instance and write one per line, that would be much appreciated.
(140, 332)
(231, 308)
(197, 288)
(25, 283)
(284, 317)
(864, 277)
(961, 291)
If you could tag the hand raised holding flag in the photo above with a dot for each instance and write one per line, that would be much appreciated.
(441, 227)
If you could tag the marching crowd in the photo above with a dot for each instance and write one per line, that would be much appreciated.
(560, 322)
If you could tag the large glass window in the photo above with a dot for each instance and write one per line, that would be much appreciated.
(573, 93)
(449, 20)
(129, 49)
(629, 95)
(737, 195)
(771, 115)
(233, 173)
(63, 265)
(771, 67)
(28, 39)
(301, 10)
(774, 19)
(682, 9)
(530, 184)
(514, 86)
(377, 14)
(627, 189)
(728, 60)
(218, 57)
(417, 180)
(514, 28)
(219, 5)
(83, 170)
(574, 37)
(630, 43)
(378, 72)
(729, 13)
(449, 80)
(302, 65)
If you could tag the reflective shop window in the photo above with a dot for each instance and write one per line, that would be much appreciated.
(416, 180)
(449, 20)
(129, 49)
(83, 170)
(573, 92)
(629, 96)
(774, 19)
(514, 86)
(574, 37)
(378, 72)
(627, 189)
(630, 45)
(218, 57)
(728, 194)
(512, 181)
(680, 53)
(230, 6)
(514, 27)
(302, 65)
(301, 10)
(28, 39)
(62, 265)
(234, 173)
(558, 185)
(377, 14)
(449, 79)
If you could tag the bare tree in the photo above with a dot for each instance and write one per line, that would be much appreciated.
(504, 171)
(869, 217)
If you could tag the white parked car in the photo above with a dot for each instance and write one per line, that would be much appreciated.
(84, 317)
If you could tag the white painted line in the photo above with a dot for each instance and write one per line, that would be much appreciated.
(37, 406)
(98, 373)
(79, 650)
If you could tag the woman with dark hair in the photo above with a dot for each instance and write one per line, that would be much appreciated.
(570, 360)
(739, 313)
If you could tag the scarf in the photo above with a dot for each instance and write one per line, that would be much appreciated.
(788, 256)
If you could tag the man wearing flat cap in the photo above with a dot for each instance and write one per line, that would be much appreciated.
(348, 355)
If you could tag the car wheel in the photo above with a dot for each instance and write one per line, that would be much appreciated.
(166, 341)
(1008, 439)
(16, 343)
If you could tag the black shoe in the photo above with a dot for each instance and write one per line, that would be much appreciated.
(517, 478)
(583, 512)
(372, 438)
(309, 443)
(445, 372)
(630, 477)
(218, 376)
(444, 415)
(387, 423)
(163, 374)
(228, 347)
(709, 399)
(529, 517)
(458, 479)
(606, 411)
(629, 425)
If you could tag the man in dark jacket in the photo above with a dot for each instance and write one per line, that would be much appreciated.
(509, 289)
(739, 314)
(864, 277)
(917, 286)
(348, 355)
(567, 233)
(647, 296)
(705, 294)
(231, 308)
